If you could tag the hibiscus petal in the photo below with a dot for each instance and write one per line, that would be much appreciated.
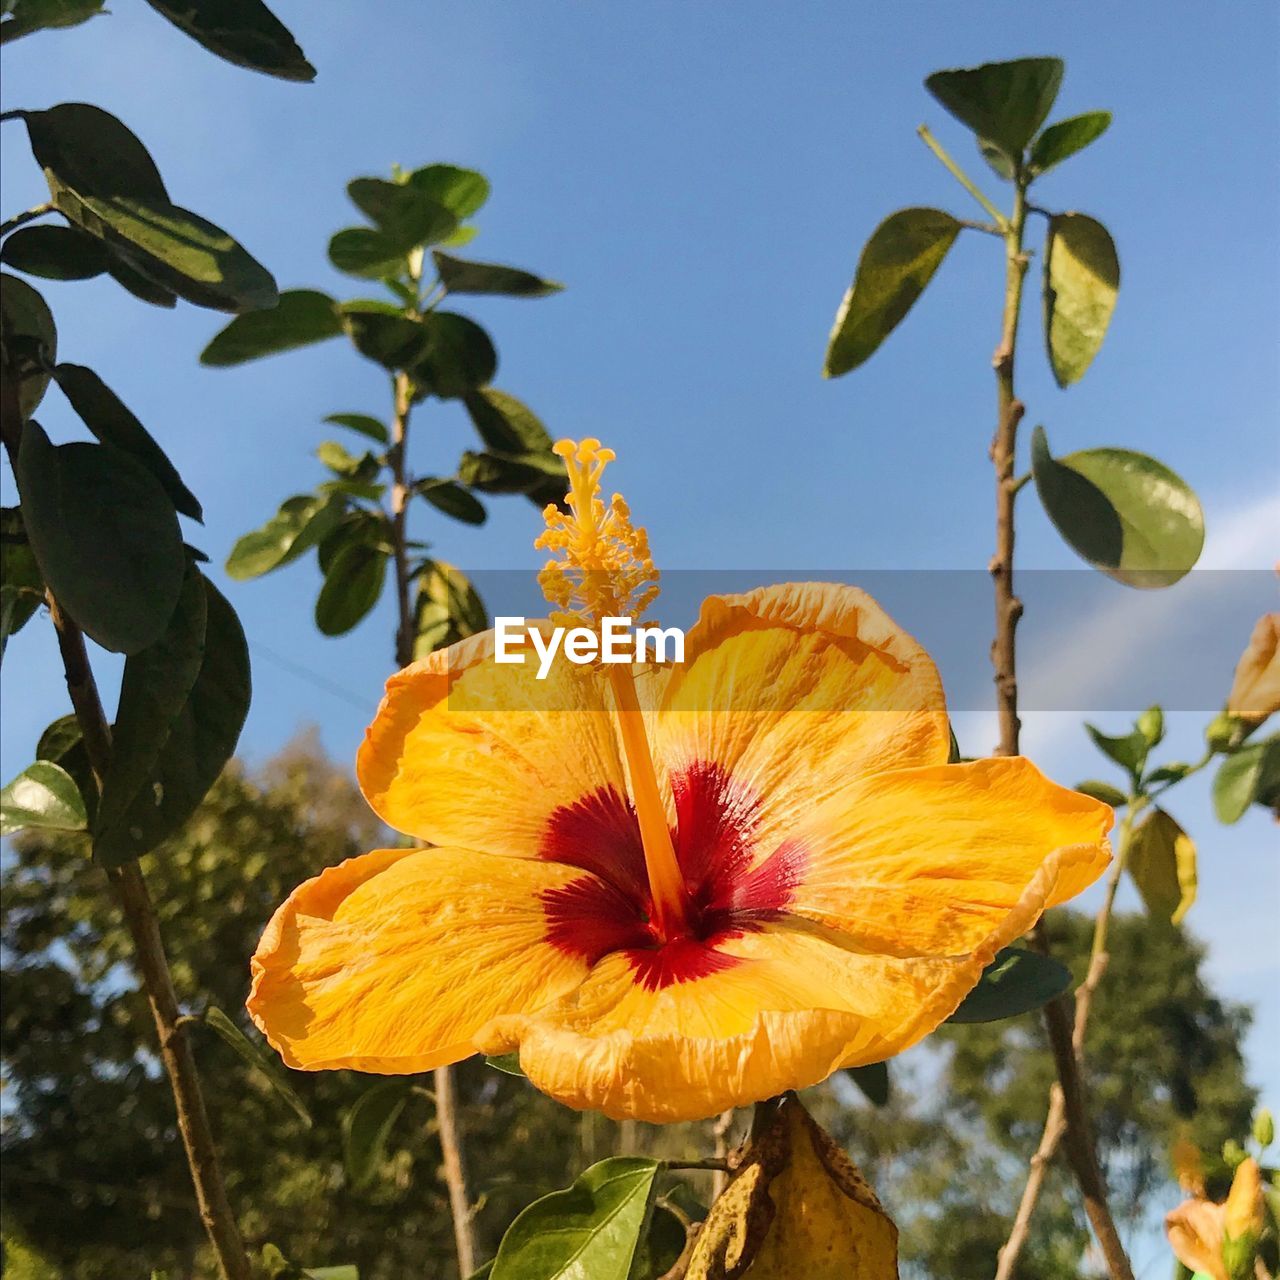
(792, 690)
(390, 962)
(931, 861)
(466, 751)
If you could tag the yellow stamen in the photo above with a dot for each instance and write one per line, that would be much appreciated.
(601, 567)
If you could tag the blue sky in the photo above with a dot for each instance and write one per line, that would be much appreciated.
(702, 177)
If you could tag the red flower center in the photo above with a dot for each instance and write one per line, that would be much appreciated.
(729, 893)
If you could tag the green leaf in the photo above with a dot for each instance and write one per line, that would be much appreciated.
(21, 583)
(1251, 775)
(105, 535)
(457, 358)
(461, 191)
(458, 276)
(30, 339)
(128, 277)
(259, 1061)
(44, 797)
(368, 528)
(62, 743)
(103, 179)
(302, 522)
(1128, 751)
(1162, 861)
(1103, 791)
(303, 316)
(447, 608)
(1125, 513)
(507, 1063)
(1003, 102)
(183, 703)
(896, 264)
(590, 1230)
(873, 1080)
(452, 499)
(1015, 982)
(366, 1128)
(367, 252)
(998, 162)
(351, 588)
(1062, 140)
(529, 473)
(383, 334)
(1081, 282)
(244, 32)
(102, 411)
(1173, 772)
(56, 253)
(337, 458)
(27, 16)
(506, 424)
(406, 216)
(363, 423)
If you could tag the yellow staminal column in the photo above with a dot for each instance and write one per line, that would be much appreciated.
(601, 567)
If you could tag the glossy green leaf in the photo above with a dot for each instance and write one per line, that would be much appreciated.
(174, 730)
(873, 1080)
(21, 583)
(1250, 776)
(506, 424)
(590, 1230)
(461, 191)
(62, 743)
(1003, 102)
(1125, 513)
(302, 522)
(105, 535)
(27, 16)
(244, 32)
(459, 276)
(103, 179)
(30, 338)
(54, 252)
(43, 797)
(1081, 282)
(458, 356)
(259, 1061)
(896, 264)
(351, 588)
(363, 423)
(452, 499)
(102, 411)
(384, 335)
(1015, 982)
(366, 1128)
(405, 215)
(1162, 861)
(303, 316)
(447, 608)
(1062, 140)
(507, 1063)
(1103, 791)
(1128, 750)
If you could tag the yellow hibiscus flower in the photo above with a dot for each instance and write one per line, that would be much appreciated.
(672, 890)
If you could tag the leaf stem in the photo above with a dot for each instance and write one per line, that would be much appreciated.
(20, 219)
(1001, 222)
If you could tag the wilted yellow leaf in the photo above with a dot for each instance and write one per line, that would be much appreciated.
(1162, 862)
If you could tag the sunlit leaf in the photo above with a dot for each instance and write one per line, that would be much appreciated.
(302, 522)
(1081, 282)
(366, 1128)
(459, 276)
(896, 264)
(461, 191)
(1015, 982)
(43, 796)
(261, 1062)
(446, 608)
(1162, 862)
(1128, 750)
(1125, 513)
(1062, 140)
(54, 252)
(30, 338)
(244, 32)
(1003, 102)
(303, 316)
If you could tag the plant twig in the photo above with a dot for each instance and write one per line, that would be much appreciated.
(1077, 1130)
(1001, 222)
(20, 219)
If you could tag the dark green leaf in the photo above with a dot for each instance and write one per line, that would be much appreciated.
(452, 499)
(251, 1054)
(43, 796)
(507, 1063)
(1103, 791)
(21, 583)
(1081, 282)
(56, 253)
(405, 215)
(102, 178)
(368, 528)
(302, 317)
(362, 423)
(366, 1128)
(1173, 772)
(458, 276)
(458, 356)
(591, 1229)
(1003, 102)
(447, 608)
(27, 16)
(1251, 775)
(1125, 513)
(512, 472)
(873, 1080)
(302, 522)
(125, 274)
(244, 32)
(102, 411)
(997, 160)
(351, 588)
(367, 252)
(1062, 140)
(1162, 861)
(30, 338)
(384, 335)
(105, 535)
(897, 262)
(1015, 982)
(169, 745)
(1129, 751)
(505, 424)
(461, 191)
